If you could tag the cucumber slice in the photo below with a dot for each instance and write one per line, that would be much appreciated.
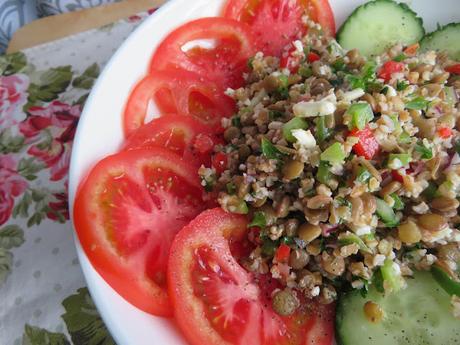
(376, 26)
(444, 39)
(418, 315)
(451, 286)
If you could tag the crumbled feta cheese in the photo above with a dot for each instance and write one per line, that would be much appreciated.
(421, 208)
(363, 230)
(315, 291)
(352, 95)
(314, 108)
(391, 92)
(304, 138)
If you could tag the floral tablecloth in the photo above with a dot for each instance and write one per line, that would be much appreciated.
(43, 298)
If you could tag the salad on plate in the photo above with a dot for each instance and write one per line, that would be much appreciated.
(298, 186)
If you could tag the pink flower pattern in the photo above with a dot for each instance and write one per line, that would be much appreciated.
(60, 120)
(12, 185)
(13, 96)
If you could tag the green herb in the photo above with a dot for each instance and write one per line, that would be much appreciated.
(270, 151)
(361, 114)
(384, 91)
(334, 154)
(294, 123)
(363, 175)
(251, 63)
(398, 129)
(324, 175)
(339, 65)
(269, 247)
(418, 103)
(305, 71)
(400, 57)
(287, 240)
(365, 289)
(322, 132)
(399, 204)
(283, 90)
(258, 220)
(451, 96)
(401, 85)
(430, 191)
(236, 121)
(425, 152)
(274, 114)
(457, 146)
(231, 188)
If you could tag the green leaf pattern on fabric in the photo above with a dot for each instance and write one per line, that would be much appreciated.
(83, 322)
(12, 63)
(50, 84)
(11, 236)
(6, 261)
(10, 143)
(38, 336)
(86, 80)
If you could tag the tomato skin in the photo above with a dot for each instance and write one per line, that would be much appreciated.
(282, 253)
(178, 134)
(444, 132)
(124, 257)
(277, 23)
(312, 57)
(224, 64)
(367, 146)
(178, 92)
(389, 68)
(204, 271)
(454, 69)
(397, 176)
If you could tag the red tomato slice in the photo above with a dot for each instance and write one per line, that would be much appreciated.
(226, 45)
(277, 23)
(367, 145)
(179, 92)
(126, 214)
(216, 301)
(183, 135)
(388, 68)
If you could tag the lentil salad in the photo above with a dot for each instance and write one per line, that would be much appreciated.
(347, 167)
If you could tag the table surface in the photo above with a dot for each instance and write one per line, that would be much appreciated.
(42, 92)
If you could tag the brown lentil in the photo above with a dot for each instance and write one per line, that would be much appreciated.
(309, 232)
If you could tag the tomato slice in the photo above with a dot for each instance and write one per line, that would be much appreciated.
(183, 135)
(216, 301)
(217, 49)
(126, 214)
(179, 92)
(388, 68)
(367, 145)
(276, 23)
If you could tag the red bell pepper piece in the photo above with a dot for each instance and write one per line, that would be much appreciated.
(389, 68)
(367, 145)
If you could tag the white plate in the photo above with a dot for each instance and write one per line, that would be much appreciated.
(99, 134)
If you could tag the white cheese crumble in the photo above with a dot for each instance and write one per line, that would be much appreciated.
(314, 108)
(352, 95)
(304, 138)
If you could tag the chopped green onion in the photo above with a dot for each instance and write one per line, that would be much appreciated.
(269, 150)
(231, 188)
(334, 154)
(398, 160)
(352, 238)
(398, 129)
(450, 95)
(339, 65)
(418, 103)
(404, 138)
(324, 175)
(322, 132)
(391, 276)
(361, 114)
(386, 213)
(294, 123)
(399, 204)
(425, 152)
(363, 175)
